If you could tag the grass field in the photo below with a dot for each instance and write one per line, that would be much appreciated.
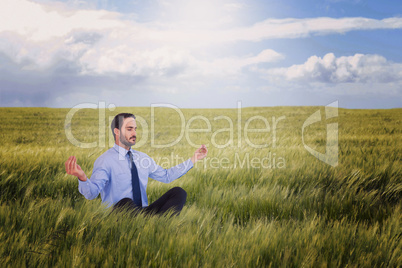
(296, 212)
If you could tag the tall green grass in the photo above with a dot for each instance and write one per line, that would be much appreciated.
(303, 213)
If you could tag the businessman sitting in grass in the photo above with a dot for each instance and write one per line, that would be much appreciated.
(121, 174)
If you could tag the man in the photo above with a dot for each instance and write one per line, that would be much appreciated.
(121, 174)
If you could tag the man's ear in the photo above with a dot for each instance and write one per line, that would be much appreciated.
(116, 132)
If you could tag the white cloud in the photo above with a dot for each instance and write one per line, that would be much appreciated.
(233, 6)
(329, 69)
(38, 22)
(98, 41)
(296, 28)
(98, 46)
(234, 65)
(124, 59)
(166, 61)
(197, 14)
(356, 75)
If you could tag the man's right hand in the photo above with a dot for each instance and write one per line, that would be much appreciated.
(72, 168)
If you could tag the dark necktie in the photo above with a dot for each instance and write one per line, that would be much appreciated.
(135, 180)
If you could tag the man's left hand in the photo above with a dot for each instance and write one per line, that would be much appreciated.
(199, 154)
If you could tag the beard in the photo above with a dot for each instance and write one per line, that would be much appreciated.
(126, 142)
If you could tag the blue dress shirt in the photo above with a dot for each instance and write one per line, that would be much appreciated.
(111, 176)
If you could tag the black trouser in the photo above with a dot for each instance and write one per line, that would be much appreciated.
(172, 200)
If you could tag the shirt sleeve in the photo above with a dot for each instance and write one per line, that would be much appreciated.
(91, 188)
(168, 175)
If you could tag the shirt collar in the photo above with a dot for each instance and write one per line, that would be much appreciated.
(122, 151)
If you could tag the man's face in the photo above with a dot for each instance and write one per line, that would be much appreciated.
(128, 132)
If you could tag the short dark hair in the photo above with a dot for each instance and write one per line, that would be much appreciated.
(118, 121)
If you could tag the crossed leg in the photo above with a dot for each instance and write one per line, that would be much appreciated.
(173, 200)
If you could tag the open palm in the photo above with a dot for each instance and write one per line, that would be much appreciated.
(72, 168)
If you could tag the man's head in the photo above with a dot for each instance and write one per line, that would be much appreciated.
(124, 128)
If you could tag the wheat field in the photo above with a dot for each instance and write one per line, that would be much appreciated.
(276, 206)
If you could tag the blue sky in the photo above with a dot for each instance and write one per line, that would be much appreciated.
(201, 54)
